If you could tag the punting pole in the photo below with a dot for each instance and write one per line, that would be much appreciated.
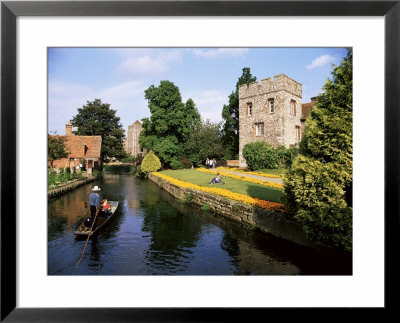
(87, 240)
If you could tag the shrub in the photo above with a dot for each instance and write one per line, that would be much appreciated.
(319, 185)
(188, 197)
(150, 163)
(176, 164)
(120, 169)
(205, 208)
(260, 155)
(186, 162)
(138, 160)
(128, 159)
(286, 156)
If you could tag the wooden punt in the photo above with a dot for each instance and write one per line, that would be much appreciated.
(101, 222)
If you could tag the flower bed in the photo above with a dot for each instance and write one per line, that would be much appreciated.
(235, 169)
(267, 205)
(243, 178)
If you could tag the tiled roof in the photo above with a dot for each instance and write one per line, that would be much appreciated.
(83, 146)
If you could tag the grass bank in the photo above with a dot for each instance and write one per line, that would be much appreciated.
(233, 185)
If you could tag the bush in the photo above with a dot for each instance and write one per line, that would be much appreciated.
(260, 155)
(129, 159)
(286, 156)
(205, 208)
(319, 185)
(150, 163)
(176, 164)
(186, 162)
(120, 169)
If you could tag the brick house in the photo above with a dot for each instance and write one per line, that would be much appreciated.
(80, 148)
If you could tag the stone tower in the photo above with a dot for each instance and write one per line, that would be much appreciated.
(132, 144)
(270, 112)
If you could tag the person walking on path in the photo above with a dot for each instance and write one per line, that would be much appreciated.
(214, 163)
(207, 163)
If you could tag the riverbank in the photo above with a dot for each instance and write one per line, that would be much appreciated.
(266, 221)
(68, 187)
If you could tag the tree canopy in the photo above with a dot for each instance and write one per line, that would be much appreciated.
(56, 148)
(204, 142)
(170, 123)
(319, 186)
(97, 119)
(230, 114)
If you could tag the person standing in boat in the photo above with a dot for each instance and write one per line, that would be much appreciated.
(94, 202)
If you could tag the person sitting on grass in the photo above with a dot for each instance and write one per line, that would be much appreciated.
(217, 179)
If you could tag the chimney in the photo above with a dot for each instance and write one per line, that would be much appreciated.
(68, 129)
(314, 99)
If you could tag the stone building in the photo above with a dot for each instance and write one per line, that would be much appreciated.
(271, 112)
(81, 149)
(132, 142)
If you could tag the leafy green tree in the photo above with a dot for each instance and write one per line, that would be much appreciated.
(230, 114)
(97, 119)
(204, 142)
(170, 124)
(56, 148)
(150, 163)
(319, 186)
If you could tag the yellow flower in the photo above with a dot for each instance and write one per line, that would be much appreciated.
(267, 205)
(243, 178)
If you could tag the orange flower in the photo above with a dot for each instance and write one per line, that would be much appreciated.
(267, 205)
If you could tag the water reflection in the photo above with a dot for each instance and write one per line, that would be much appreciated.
(154, 234)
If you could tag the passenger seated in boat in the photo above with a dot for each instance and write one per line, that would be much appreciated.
(217, 179)
(105, 208)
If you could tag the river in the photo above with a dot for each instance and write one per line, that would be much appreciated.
(152, 233)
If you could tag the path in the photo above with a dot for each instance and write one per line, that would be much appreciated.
(262, 178)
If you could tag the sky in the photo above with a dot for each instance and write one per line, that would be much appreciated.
(119, 76)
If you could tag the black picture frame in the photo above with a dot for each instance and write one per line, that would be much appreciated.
(10, 10)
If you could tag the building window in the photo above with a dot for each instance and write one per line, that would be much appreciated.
(271, 105)
(298, 132)
(249, 109)
(259, 129)
(293, 107)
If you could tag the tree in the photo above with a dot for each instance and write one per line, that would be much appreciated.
(319, 186)
(170, 124)
(150, 163)
(230, 113)
(56, 148)
(97, 119)
(204, 142)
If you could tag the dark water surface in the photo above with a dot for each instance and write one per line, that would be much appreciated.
(154, 234)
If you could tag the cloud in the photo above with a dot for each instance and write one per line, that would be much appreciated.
(64, 99)
(147, 65)
(220, 52)
(321, 61)
(209, 103)
(122, 90)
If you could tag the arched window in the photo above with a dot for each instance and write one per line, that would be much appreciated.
(271, 107)
(249, 109)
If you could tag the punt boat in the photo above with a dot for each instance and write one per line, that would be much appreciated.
(101, 222)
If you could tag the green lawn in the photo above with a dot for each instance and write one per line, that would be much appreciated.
(234, 185)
